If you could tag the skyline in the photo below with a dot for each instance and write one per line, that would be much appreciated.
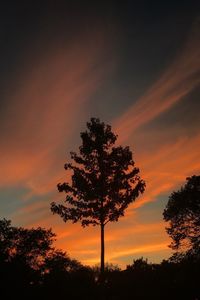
(137, 69)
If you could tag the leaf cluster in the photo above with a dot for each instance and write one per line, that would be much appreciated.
(104, 179)
(183, 214)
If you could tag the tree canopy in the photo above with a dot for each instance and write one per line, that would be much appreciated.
(32, 248)
(28, 245)
(183, 214)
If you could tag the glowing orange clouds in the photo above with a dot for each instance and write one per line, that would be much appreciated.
(176, 82)
(126, 242)
(168, 167)
(45, 106)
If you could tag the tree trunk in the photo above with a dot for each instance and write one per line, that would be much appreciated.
(102, 249)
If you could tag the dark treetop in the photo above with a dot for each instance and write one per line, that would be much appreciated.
(183, 214)
(104, 179)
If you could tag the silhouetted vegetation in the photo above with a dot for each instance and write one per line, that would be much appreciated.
(183, 214)
(104, 181)
(32, 268)
(30, 264)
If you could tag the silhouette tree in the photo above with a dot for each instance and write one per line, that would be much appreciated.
(104, 181)
(183, 214)
(27, 246)
(140, 265)
(7, 238)
(28, 260)
(59, 261)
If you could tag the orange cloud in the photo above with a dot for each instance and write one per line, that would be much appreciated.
(46, 105)
(176, 82)
(165, 167)
(131, 239)
(144, 248)
(168, 167)
(84, 244)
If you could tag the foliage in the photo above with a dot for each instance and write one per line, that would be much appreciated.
(104, 181)
(61, 277)
(59, 261)
(140, 265)
(28, 245)
(27, 256)
(183, 214)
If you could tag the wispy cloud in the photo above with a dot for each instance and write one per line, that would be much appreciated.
(180, 78)
(45, 107)
(170, 162)
(135, 250)
(84, 243)
(168, 167)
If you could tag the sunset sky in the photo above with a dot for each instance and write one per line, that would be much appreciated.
(137, 68)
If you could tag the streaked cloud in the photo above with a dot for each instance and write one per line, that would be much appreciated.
(180, 78)
(168, 167)
(44, 107)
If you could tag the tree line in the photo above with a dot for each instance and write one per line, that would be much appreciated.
(31, 267)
